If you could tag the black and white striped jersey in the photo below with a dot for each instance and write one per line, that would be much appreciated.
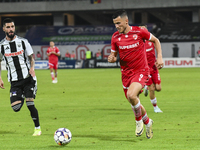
(16, 54)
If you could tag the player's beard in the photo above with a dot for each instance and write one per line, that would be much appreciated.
(11, 36)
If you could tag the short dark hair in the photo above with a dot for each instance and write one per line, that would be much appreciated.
(7, 20)
(120, 13)
(142, 24)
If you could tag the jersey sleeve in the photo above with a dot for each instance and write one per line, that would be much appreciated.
(113, 45)
(29, 49)
(146, 35)
(57, 50)
(47, 51)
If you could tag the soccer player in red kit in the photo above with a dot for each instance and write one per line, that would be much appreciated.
(154, 83)
(53, 53)
(128, 41)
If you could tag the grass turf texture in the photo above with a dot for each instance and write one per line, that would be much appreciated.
(91, 103)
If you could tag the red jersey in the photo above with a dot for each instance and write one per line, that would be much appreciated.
(67, 55)
(73, 55)
(53, 57)
(131, 48)
(151, 56)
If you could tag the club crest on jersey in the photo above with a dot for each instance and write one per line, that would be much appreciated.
(149, 43)
(135, 36)
(119, 39)
(19, 45)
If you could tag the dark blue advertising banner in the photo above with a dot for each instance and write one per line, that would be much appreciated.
(62, 64)
(93, 63)
(66, 64)
(72, 35)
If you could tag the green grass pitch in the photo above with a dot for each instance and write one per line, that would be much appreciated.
(91, 103)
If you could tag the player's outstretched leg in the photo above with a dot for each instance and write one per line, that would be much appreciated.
(35, 117)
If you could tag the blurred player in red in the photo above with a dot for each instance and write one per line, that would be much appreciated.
(128, 41)
(53, 53)
(154, 83)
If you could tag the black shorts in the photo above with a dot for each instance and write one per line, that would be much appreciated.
(23, 88)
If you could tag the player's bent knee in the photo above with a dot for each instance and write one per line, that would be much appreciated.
(131, 97)
(158, 89)
(17, 107)
(152, 88)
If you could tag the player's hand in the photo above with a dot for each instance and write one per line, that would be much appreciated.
(32, 72)
(112, 58)
(159, 63)
(53, 52)
(1, 84)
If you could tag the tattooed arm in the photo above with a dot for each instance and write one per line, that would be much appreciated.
(1, 81)
(32, 63)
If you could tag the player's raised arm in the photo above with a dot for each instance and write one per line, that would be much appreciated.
(112, 57)
(159, 60)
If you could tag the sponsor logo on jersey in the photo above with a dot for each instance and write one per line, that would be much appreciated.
(14, 54)
(129, 46)
(7, 48)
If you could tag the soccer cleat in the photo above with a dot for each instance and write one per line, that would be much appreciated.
(149, 131)
(146, 90)
(157, 110)
(37, 132)
(54, 81)
(139, 128)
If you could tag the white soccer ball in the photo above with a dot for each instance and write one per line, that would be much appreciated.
(62, 136)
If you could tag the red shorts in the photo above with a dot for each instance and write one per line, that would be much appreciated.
(53, 64)
(155, 77)
(141, 77)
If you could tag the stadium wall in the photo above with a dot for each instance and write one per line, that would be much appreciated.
(93, 63)
(57, 6)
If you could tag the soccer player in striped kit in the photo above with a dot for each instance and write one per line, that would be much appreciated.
(128, 41)
(18, 54)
